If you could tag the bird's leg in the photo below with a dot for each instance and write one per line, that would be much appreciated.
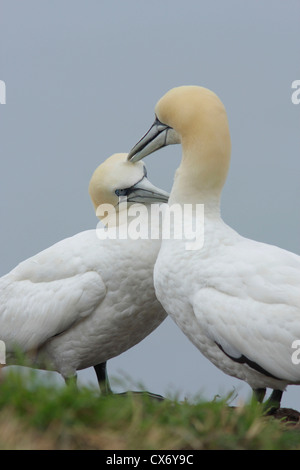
(273, 403)
(104, 385)
(71, 380)
(259, 394)
(102, 377)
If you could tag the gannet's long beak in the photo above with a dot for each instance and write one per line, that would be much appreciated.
(145, 192)
(159, 135)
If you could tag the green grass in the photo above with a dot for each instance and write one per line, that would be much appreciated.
(39, 415)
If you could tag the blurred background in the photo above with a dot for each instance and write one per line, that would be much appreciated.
(82, 79)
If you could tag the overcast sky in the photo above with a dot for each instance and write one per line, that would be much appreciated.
(82, 79)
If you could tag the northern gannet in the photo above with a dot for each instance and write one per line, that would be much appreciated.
(236, 299)
(85, 300)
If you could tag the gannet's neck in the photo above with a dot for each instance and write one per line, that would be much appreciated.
(199, 118)
(202, 173)
(189, 187)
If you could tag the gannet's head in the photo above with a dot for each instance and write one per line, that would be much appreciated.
(118, 181)
(195, 117)
(184, 115)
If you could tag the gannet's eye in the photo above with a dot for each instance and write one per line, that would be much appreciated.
(122, 192)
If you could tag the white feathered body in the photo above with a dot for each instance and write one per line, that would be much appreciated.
(80, 302)
(235, 298)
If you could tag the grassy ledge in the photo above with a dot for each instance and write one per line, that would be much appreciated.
(37, 415)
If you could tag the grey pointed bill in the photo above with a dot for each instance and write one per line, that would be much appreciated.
(159, 135)
(145, 192)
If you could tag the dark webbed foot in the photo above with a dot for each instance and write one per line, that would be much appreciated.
(101, 372)
(153, 396)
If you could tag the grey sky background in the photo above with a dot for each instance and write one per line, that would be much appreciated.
(82, 81)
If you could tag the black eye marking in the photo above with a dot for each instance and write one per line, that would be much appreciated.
(122, 192)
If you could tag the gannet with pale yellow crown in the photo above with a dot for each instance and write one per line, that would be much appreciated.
(236, 299)
(85, 300)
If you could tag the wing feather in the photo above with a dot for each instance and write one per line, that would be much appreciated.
(47, 294)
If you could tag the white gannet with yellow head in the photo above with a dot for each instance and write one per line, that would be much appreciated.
(236, 299)
(85, 300)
